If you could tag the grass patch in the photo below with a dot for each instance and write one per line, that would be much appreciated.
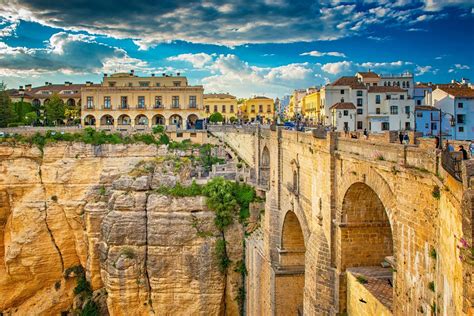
(362, 279)
(436, 193)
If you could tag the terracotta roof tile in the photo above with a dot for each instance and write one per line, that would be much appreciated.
(425, 108)
(352, 82)
(218, 95)
(343, 106)
(369, 74)
(466, 93)
(383, 89)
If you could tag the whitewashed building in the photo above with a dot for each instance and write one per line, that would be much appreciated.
(344, 116)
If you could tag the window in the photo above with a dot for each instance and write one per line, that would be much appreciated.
(360, 111)
(359, 125)
(388, 96)
(141, 102)
(260, 108)
(124, 102)
(252, 108)
(223, 108)
(407, 109)
(111, 84)
(177, 83)
(460, 105)
(385, 126)
(359, 102)
(434, 125)
(377, 99)
(342, 91)
(144, 83)
(377, 110)
(106, 102)
(418, 102)
(402, 97)
(215, 109)
(90, 102)
(158, 84)
(394, 110)
(403, 84)
(374, 84)
(207, 108)
(461, 118)
(346, 112)
(461, 129)
(231, 108)
(359, 93)
(158, 102)
(130, 84)
(175, 102)
(342, 100)
(192, 102)
(407, 126)
(269, 108)
(408, 84)
(426, 125)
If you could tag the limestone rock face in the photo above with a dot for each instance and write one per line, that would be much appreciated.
(78, 204)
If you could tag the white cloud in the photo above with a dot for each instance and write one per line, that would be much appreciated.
(421, 70)
(316, 53)
(337, 68)
(461, 67)
(199, 60)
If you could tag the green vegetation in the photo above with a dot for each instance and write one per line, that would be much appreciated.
(158, 129)
(54, 110)
(433, 254)
(206, 157)
(84, 289)
(431, 286)
(221, 254)
(128, 253)
(90, 309)
(180, 191)
(7, 111)
(361, 279)
(436, 192)
(216, 117)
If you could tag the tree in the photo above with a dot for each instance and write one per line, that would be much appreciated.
(7, 112)
(233, 119)
(54, 110)
(30, 118)
(216, 117)
(21, 109)
(72, 114)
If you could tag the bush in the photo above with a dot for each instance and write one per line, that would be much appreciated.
(16, 124)
(158, 129)
(216, 117)
(223, 260)
(90, 309)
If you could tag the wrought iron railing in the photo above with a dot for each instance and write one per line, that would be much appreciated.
(451, 162)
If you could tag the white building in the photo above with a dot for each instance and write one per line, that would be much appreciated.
(422, 94)
(389, 109)
(344, 116)
(404, 81)
(457, 105)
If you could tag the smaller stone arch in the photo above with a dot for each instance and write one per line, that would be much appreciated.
(192, 118)
(141, 120)
(158, 119)
(71, 102)
(89, 120)
(265, 167)
(107, 120)
(36, 102)
(176, 120)
(46, 101)
(124, 119)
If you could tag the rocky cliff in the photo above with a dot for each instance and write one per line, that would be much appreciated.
(74, 205)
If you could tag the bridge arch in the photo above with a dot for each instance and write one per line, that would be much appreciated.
(365, 240)
(265, 167)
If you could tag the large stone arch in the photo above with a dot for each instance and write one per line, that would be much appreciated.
(365, 239)
(124, 120)
(158, 119)
(142, 120)
(89, 120)
(107, 120)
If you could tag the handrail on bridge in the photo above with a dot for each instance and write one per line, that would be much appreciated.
(451, 162)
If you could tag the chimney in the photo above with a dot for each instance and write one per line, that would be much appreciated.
(163, 74)
(177, 74)
(152, 75)
(46, 83)
(28, 87)
(105, 75)
(67, 83)
(50, 83)
(88, 83)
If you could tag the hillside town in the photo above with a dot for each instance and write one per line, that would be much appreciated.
(362, 104)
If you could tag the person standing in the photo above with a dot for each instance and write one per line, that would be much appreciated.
(448, 146)
(366, 134)
(406, 139)
(464, 152)
(400, 137)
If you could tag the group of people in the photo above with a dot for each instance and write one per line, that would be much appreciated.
(465, 156)
(403, 138)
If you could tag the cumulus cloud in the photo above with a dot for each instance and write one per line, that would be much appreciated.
(316, 53)
(337, 68)
(148, 23)
(66, 53)
(347, 66)
(199, 60)
(458, 67)
(421, 70)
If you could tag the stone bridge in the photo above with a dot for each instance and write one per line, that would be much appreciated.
(357, 227)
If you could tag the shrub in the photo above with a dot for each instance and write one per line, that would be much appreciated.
(216, 117)
(128, 253)
(361, 279)
(431, 286)
(158, 129)
(90, 309)
(436, 192)
(223, 260)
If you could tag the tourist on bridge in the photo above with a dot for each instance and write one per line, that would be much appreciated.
(406, 139)
(400, 137)
(464, 152)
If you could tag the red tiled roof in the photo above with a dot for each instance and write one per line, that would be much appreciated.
(466, 93)
(382, 89)
(54, 88)
(368, 74)
(343, 106)
(352, 82)
(218, 95)
(425, 108)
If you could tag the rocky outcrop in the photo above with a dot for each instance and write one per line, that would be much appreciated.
(86, 205)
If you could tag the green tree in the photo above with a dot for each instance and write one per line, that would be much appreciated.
(55, 110)
(21, 109)
(216, 117)
(7, 112)
(30, 118)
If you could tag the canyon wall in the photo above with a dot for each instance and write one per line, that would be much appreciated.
(97, 207)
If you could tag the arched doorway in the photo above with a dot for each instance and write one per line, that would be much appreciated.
(106, 120)
(124, 119)
(71, 102)
(141, 119)
(176, 120)
(365, 246)
(89, 120)
(265, 168)
(192, 121)
(36, 103)
(289, 275)
(158, 120)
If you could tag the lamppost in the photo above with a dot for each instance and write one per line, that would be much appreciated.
(452, 123)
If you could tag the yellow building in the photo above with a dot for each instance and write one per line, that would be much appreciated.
(290, 110)
(311, 106)
(259, 106)
(224, 103)
(124, 99)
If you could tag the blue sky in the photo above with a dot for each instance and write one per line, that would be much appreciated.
(244, 47)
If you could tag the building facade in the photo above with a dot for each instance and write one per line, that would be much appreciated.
(427, 120)
(311, 107)
(344, 116)
(224, 103)
(457, 107)
(259, 107)
(124, 99)
(68, 92)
